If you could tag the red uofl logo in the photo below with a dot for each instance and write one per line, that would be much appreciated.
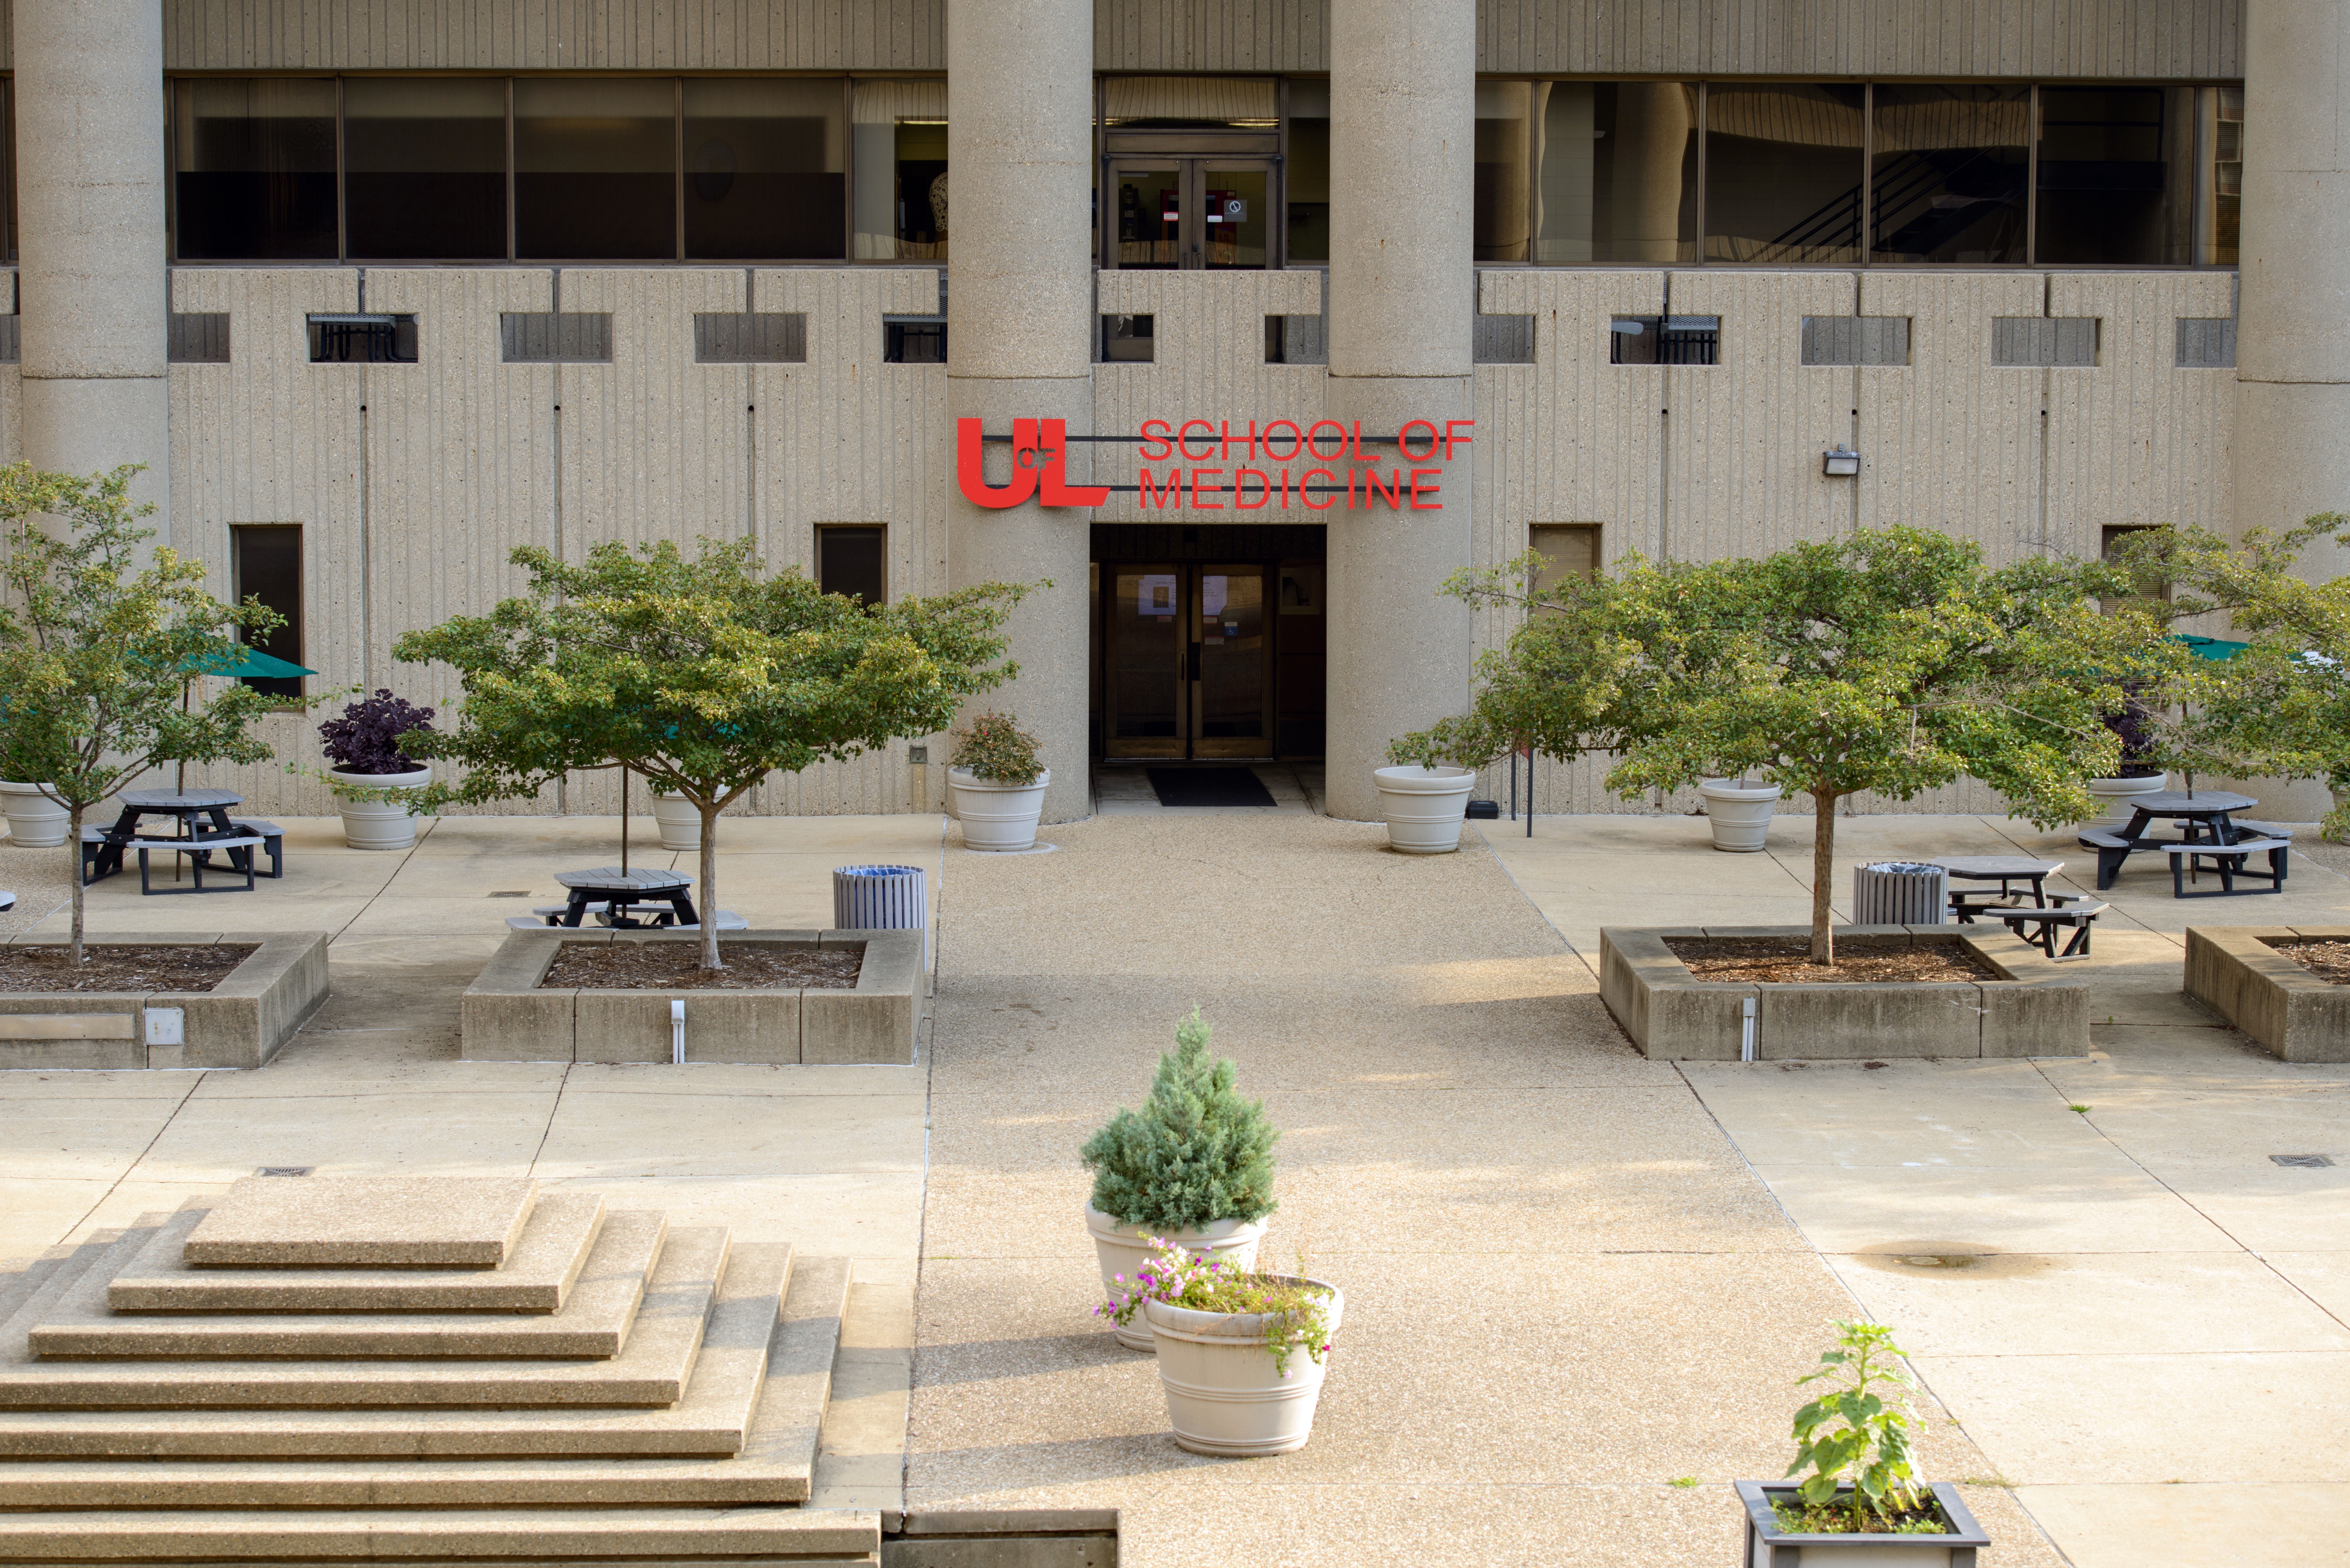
(1039, 455)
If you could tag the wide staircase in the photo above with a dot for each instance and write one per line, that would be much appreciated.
(421, 1371)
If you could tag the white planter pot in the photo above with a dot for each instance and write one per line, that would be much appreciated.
(365, 825)
(2123, 789)
(1123, 1249)
(1740, 813)
(679, 820)
(34, 821)
(997, 815)
(1223, 1395)
(1424, 807)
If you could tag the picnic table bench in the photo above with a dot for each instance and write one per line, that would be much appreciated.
(199, 854)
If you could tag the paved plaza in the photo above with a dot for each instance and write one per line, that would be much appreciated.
(1579, 1283)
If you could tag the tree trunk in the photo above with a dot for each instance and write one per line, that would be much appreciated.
(73, 861)
(710, 888)
(1822, 876)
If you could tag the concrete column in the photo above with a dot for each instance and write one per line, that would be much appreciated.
(1020, 82)
(1652, 127)
(1403, 98)
(89, 199)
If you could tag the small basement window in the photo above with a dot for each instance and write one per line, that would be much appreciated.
(201, 338)
(362, 339)
(914, 339)
(1567, 550)
(1665, 340)
(1130, 339)
(853, 559)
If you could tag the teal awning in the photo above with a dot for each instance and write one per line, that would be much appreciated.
(2212, 648)
(235, 659)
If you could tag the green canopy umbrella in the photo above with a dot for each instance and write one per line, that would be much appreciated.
(238, 660)
(2218, 650)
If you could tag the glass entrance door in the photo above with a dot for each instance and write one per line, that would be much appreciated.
(1189, 214)
(1187, 661)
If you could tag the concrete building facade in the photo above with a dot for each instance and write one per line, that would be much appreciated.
(380, 289)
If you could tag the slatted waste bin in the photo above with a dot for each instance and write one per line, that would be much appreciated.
(1899, 893)
(882, 898)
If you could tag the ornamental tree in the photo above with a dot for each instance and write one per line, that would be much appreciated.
(1891, 662)
(97, 652)
(703, 674)
(1195, 1154)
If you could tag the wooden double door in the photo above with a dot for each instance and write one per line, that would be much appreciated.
(1188, 660)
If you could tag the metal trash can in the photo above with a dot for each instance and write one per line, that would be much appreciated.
(882, 898)
(1901, 893)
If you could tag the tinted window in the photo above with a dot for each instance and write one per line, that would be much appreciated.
(426, 168)
(253, 168)
(267, 566)
(596, 168)
(764, 161)
(2114, 185)
(1782, 173)
(853, 561)
(1617, 171)
(1952, 167)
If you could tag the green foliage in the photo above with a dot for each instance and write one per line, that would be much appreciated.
(99, 652)
(993, 748)
(1891, 662)
(1852, 1431)
(702, 674)
(1297, 1315)
(1195, 1154)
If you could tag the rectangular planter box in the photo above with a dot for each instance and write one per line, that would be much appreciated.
(1768, 1547)
(241, 1022)
(507, 1016)
(2034, 1009)
(2298, 1015)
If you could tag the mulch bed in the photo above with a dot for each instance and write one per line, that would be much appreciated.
(158, 968)
(2325, 959)
(676, 966)
(1786, 961)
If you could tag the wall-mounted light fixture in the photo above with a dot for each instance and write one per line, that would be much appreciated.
(1840, 463)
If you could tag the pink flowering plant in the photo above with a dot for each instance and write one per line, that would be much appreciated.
(1295, 1314)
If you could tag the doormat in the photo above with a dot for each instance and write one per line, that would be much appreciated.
(1208, 786)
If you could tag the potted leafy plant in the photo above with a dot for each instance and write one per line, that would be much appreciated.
(998, 784)
(2135, 728)
(1191, 1170)
(1241, 1354)
(364, 747)
(1854, 1442)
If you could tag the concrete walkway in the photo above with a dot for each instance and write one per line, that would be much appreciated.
(1574, 1315)
(2095, 1262)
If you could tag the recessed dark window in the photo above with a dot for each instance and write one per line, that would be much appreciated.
(1951, 173)
(596, 168)
(764, 161)
(361, 339)
(199, 337)
(914, 339)
(425, 167)
(1132, 339)
(1782, 173)
(755, 338)
(253, 168)
(853, 561)
(2114, 185)
(266, 564)
(1665, 340)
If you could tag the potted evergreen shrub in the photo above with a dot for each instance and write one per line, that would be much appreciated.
(372, 770)
(1241, 1354)
(998, 784)
(1859, 1496)
(1192, 1169)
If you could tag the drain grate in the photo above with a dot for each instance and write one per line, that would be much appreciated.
(286, 1170)
(2302, 1161)
(502, 893)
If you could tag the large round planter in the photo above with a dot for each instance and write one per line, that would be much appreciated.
(1424, 807)
(1741, 813)
(2122, 790)
(34, 821)
(367, 826)
(1122, 1249)
(679, 820)
(1223, 1395)
(997, 816)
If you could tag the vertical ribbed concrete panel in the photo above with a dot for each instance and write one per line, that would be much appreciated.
(2293, 342)
(267, 438)
(1019, 338)
(1402, 289)
(1207, 363)
(88, 144)
(1570, 438)
(461, 465)
(846, 437)
(1744, 436)
(1212, 35)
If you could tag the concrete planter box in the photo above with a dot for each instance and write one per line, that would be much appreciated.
(507, 1016)
(2299, 1016)
(2035, 1009)
(241, 1022)
(1768, 1546)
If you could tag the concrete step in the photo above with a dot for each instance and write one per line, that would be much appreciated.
(776, 1463)
(537, 1275)
(458, 1535)
(652, 1369)
(364, 1221)
(22, 1282)
(592, 1324)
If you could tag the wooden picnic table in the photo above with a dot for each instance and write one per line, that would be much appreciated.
(197, 815)
(620, 891)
